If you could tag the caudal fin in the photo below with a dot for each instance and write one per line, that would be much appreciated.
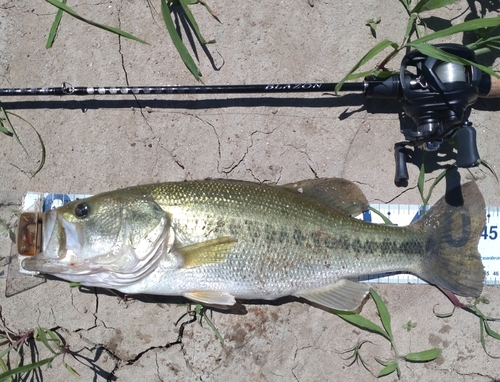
(453, 227)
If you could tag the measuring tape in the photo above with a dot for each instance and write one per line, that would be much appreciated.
(404, 214)
(399, 214)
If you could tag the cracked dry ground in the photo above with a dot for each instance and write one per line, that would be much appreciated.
(111, 338)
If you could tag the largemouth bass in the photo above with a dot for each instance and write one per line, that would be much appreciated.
(216, 241)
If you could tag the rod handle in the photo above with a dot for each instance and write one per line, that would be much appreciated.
(495, 87)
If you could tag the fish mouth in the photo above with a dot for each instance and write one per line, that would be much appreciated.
(61, 244)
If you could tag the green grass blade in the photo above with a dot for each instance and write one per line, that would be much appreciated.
(4, 117)
(432, 51)
(410, 25)
(421, 182)
(108, 28)
(442, 315)
(434, 184)
(193, 23)
(423, 356)
(406, 4)
(6, 351)
(463, 27)
(41, 335)
(429, 5)
(5, 125)
(386, 220)
(490, 331)
(25, 369)
(390, 368)
(489, 167)
(361, 322)
(176, 39)
(214, 15)
(40, 140)
(71, 370)
(4, 130)
(484, 43)
(381, 46)
(385, 317)
(55, 26)
(482, 326)
(54, 337)
(3, 366)
(212, 326)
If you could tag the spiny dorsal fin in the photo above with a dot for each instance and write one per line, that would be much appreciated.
(344, 295)
(340, 194)
(206, 252)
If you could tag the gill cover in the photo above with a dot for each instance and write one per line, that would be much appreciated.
(120, 234)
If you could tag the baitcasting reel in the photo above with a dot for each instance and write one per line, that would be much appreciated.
(435, 95)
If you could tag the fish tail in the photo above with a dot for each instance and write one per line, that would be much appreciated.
(453, 227)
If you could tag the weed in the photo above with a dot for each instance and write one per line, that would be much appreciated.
(199, 313)
(484, 321)
(355, 355)
(391, 365)
(409, 325)
(8, 129)
(12, 358)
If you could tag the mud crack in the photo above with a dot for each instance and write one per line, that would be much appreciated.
(309, 160)
(227, 170)
(131, 361)
(122, 61)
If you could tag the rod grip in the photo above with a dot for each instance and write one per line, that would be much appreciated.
(495, 87)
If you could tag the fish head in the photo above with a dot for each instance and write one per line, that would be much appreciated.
(119, 232)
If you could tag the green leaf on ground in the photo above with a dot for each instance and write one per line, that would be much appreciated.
(108, 28)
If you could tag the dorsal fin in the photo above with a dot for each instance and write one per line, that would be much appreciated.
(340, 194)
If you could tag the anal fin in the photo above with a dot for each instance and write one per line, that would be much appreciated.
(344, 295)
(213, 298)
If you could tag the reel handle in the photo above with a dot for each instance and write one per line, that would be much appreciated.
(467, 153)
(495, 87)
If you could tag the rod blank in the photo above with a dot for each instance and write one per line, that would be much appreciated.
(68, 89)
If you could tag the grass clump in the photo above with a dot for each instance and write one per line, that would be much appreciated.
(16, 348)
(385, 330)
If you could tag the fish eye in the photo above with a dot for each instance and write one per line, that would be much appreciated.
(82, 210)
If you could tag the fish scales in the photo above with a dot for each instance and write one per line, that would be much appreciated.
(216, 241)
(285, 241)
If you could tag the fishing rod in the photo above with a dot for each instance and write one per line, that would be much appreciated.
(435, 94)
(68, 89)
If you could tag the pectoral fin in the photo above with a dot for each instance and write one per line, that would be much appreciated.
(211, 298)
(343, 295)
(206, 252)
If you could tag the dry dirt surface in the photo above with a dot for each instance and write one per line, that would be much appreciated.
(101, 143)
